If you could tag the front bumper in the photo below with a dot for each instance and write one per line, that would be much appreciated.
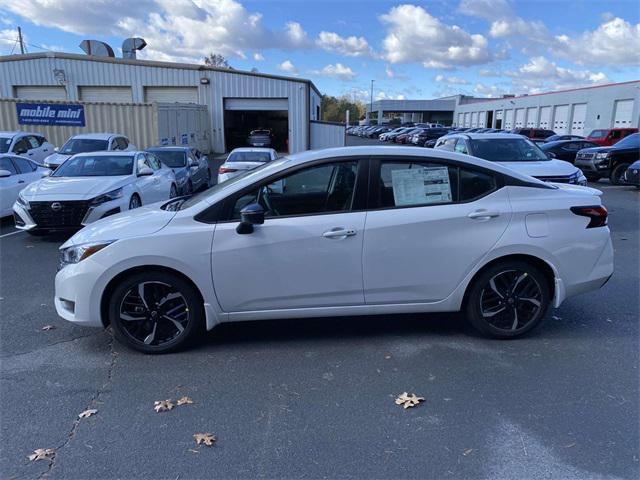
(591, 165)
(76, 298)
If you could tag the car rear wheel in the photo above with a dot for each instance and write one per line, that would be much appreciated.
(135, 202)
(508, 299)
(617, 174)
(173, 191)
(155, 312)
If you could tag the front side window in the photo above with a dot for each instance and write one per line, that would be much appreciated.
(171, 158)
(95, 166)
(83, 145)
(21, 146)
(632, 141)
(153, 161)
(314, 190)
(5, 143)
(33, 142)
(6, 164)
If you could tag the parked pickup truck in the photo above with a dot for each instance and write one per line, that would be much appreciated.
(611, 161)
(608, 136)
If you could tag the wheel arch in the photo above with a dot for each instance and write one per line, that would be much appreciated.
(546, 269)
(108, 290)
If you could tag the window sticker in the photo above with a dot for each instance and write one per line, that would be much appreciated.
(418, 186)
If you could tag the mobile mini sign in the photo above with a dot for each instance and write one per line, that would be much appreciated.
(67, 115)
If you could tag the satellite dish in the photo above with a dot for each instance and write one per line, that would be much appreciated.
(130, 45)
(96, 48)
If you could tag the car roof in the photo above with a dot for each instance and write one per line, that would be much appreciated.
(168, 148)
(251, 149)
(484, 136)
(110, 153)
(8, 133)
(97, 136)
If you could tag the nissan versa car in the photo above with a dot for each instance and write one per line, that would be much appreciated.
(88, 142)
(242, 159)
(91, 186)
(192, 173)
(513, 151)
(338, 232)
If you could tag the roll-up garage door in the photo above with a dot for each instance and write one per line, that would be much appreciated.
(171, 94)
(624, 111)
(532, 113)
(41, 93)
(561, 119)
(474, 119)
(106, 94)
(467, 119)
(579, 116)
(519, 117)
(508, 120)
(545, 117)
(256, 104)
(460, 119)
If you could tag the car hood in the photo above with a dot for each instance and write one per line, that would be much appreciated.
(56, 158)
(597, 149)
(59, 187)
(543, 168)
(131, 223)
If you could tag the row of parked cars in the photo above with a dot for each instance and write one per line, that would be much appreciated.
(91, 176)
(604, 153)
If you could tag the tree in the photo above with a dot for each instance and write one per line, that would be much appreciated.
(216, 60)
(334, 109)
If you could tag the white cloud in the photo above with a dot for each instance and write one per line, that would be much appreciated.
(258, 57)
(413, 35)
(615, 42)
(338, 71)
(389, 71)
(451, 80)
(288, 67)
(491, 91)
(349, 46)
(540, 68)
(297, 37)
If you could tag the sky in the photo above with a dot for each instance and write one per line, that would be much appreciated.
(428, 49)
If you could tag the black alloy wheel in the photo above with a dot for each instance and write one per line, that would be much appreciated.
(508, 300)
(155, 312)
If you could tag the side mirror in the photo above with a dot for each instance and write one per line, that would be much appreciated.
(56, 149)
(5, 173)
(47, 173)
(551, 155)
(250, 215)
(145, 172)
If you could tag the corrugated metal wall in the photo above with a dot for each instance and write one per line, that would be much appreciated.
(136, 121)
(327, 135)
(222, 84)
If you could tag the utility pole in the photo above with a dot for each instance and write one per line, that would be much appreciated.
(371, 103)
(21, 41)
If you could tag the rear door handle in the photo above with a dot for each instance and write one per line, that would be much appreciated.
(339, 232)
(483, 214)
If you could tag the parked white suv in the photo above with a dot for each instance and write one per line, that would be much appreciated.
(513, 151)
(88, 142)
(31, 145)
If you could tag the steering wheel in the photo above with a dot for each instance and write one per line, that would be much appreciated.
(267, 200)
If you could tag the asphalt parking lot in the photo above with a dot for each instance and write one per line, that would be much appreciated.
(315, 398)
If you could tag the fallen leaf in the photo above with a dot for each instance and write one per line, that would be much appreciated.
(204, 438)
(467, 452)
(571, 445)
(387, 357)
(408, 401)
(184, 401)
(29, 246)
(193, 451)
(46, 328)
(41, 454)
(162, 405)
(88, 413)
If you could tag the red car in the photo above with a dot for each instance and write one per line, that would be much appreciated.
(403, 138)
(608, 136)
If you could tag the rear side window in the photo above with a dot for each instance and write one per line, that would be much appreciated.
(24, 165)
(461, 146)
(474, 184)
(122, 143)
(6, 164)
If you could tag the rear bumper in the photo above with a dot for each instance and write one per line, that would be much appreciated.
(598, 277)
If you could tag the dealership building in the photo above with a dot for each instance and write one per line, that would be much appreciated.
(237, 101)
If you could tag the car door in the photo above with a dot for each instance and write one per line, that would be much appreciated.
(9, 186)
(163, 176)
(308, 251)
(27, 169)
(429, 223)
(147, 184)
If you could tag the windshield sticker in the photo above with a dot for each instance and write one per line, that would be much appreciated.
(417, 186)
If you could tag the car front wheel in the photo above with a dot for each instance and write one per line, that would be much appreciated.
(617, 174)
(508, 299)
(155, 312)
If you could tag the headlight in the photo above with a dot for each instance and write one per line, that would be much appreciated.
(575, 177)
(77, 253)
(602, 155)
(107, 197)
(23, 201)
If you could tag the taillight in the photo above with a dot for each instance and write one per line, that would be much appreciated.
(597, 215)
(227, 170)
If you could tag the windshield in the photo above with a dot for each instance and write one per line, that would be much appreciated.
(632, 141)
(5, 142)
(249, 157)
(507, 150)
(82, 145)
(598, 134)
(95, 166)
(171, 158)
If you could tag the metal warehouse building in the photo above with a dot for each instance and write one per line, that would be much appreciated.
(576, 111)
(237, 101)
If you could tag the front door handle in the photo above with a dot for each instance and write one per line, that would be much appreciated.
(339, 232)
(483, 214)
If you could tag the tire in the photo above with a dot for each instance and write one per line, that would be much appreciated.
(135, 202)
(173, 191)
(189, 189)
(491, 310)
(591, 177)
(617, 174)
(152, 332)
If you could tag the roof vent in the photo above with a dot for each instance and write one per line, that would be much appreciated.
(96, 48)
(130, 45)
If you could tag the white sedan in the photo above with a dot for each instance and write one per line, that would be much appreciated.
(353, 231)
(91, 186)
(31, 145)
(242, 159)
(15, 174)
